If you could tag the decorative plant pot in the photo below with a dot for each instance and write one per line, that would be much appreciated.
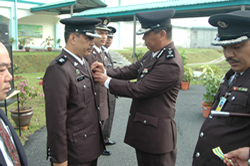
(185, 85)
(49, 48)
(206, 107)
(20, 47)
(27, 49)
(25, 116)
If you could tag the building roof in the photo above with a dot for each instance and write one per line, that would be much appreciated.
(64, 7)
(184, 8)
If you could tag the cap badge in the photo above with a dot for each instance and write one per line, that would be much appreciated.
(105, 22)
(222, 24)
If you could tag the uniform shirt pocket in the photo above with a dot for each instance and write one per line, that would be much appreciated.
(238, 98)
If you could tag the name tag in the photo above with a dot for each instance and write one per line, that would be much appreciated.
(221, 104)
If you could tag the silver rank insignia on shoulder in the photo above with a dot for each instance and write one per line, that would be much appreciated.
(77, 71)
(62, 59)
(75, 63)
(170, 53)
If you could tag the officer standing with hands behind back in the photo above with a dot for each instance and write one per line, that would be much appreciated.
(233, 96)
(71, 100)
(112, 98)
(151, 127)
(98, 54)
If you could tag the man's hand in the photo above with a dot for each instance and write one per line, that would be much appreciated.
(97, 67)
(239, 157)
(100, 78)
(65, 163)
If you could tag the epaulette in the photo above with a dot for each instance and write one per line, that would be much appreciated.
(170, 53)
(62, 59)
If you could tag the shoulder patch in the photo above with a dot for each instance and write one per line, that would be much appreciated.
(62, 59)
(170, 53)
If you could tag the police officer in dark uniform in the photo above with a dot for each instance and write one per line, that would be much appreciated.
(72, 102)
(112, 98)
(151, 127)
(98, 54)
(233, 96)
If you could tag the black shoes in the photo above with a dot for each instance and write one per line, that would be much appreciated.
(106, 153)
(110, 143)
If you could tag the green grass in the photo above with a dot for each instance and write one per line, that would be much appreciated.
(193, 55)
(32, 64)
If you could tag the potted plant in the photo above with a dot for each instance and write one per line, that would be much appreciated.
(211, 78)
(25, 112)
(188, 76)
(27, 41)
(11, 40)
(49, 43)
(21, 42)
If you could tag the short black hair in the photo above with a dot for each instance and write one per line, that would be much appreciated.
(167, 29)
(67, 33)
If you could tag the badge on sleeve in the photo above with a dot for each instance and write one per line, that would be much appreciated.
(170, 53)
(62, 59)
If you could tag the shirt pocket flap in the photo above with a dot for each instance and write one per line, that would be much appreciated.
(83, 134)
(146, 119)
(238, 98)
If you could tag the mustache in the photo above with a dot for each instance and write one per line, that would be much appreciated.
(232, 59)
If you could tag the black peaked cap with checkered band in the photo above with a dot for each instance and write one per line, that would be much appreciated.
(154, 19)
(82, 25)
(103, 25)
(233, 27)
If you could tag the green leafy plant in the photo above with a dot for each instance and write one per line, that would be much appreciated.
(138, 55)
(26, 92)
(188, 74)
(211, 79)
(184, 57)
(24, 41)
(21, 41)
(48, 42)
(11, 39)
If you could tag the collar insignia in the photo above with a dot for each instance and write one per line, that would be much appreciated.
(75, 63)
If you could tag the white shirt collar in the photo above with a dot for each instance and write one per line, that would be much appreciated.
(155, 53)
(81, 61)
(97, 49)
(105, 49)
